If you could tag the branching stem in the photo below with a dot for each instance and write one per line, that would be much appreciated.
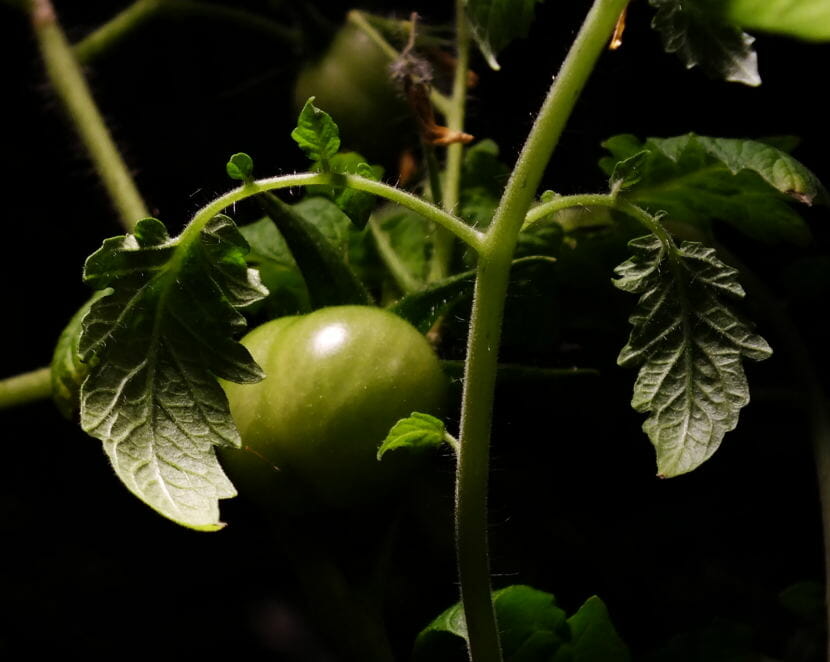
(485, 327)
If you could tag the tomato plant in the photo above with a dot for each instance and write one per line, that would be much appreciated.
(464, 196)
(337, 381)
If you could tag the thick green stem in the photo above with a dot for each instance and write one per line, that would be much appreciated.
(69, 83)
(140, 12)
(485, 326)
(25, 388)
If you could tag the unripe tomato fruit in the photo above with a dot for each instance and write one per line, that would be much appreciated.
(337, 381)
(351, 82)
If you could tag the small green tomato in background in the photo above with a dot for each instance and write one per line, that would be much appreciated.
(351, 82)
(337, 380)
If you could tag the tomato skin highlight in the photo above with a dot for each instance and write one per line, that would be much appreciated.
(337, 380)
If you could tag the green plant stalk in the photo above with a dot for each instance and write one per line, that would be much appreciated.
(442, 241)
(25, 388)
(69, 83)
(485, 326)
(141, 12)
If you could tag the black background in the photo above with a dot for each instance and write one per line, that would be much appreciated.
(576, 509)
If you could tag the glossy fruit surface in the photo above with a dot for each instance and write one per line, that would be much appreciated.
(337, 380)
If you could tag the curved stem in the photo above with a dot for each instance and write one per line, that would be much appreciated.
(25, 388)
(485, 327)
(599, 200)
(140, 12)
(69, 83)
(429, 211)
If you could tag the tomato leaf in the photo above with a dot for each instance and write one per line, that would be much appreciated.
(155, 345)
(694, 179)
(593, 636)
(495, 23)
(408, 236)
(533, 629)
(316, 134)
(807, 19)
(701, 38)
(329, 280)
(240, 167)
(416, 431)
(423, 308)
(357, 205)
(689, 345)
(483, 178)
(269, 254)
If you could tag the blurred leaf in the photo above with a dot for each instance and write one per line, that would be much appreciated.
(689, 344)
(423, 308)
(532, 629)
(269, 254)
(496, 23)
(151, 394)
(700, 37)
(408, 235)
(806, 19)
(695, 179)
(483, 178)
(329, 279)
(593, 637)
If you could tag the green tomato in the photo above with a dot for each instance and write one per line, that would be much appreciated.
(351, 82)
(337, 381)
